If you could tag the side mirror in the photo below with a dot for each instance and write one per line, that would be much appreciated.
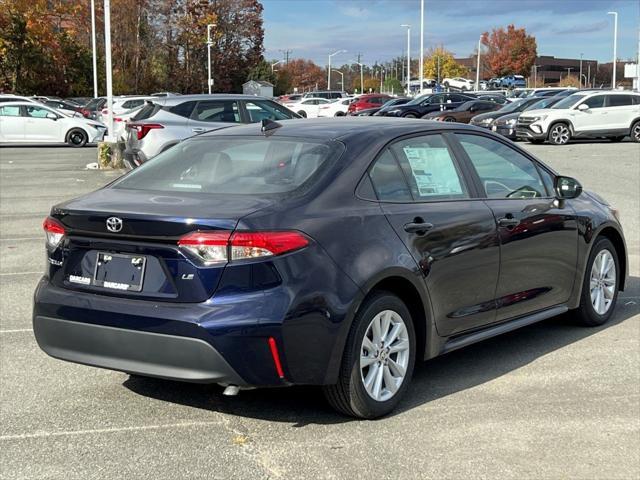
(583, 107)
(567, 187)
(52, 116)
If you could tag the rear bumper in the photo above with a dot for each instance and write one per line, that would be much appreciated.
(144, 353)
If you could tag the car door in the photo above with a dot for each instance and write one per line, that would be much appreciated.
(538, 234)
(11, 123)
(620, 111)
(39, 128)
(451, 234)
(207, 112)
(596, 117)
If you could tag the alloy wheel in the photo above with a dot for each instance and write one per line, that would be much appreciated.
(76, 138)
(602, 284)
(384, 355)
(636, 132)
(560, 134)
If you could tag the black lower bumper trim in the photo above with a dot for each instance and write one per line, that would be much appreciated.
(133, 351)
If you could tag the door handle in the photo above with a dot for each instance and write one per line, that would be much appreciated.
(508, 221)
(198, 129)
(417, 227)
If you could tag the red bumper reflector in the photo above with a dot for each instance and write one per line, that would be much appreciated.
(276, 356)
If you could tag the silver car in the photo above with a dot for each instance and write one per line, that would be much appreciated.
(163, 122)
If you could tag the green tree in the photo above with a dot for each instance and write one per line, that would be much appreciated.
(393, 85)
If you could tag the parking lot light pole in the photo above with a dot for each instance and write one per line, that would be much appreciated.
(615, 46)
(209, 44)
(341, 78)
(408, 27)
(329, 69)
(478, 66)
(107, 56)
(274, 64)
(93, 46)
(361, 77)
(421, 45)
(580, 78)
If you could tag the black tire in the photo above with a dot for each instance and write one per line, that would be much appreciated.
(617, 139)
(410, 115)
(586, 313)
(559, 134)
(535, 141)
(339, 114)
(77, 138)
(635, 132)
(449, 119)
(349, 396)
(302, 113)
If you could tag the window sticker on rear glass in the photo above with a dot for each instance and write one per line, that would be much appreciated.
(433, 171)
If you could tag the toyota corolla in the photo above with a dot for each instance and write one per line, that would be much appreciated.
(322, 253)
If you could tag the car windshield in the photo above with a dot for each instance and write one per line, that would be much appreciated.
(234, 165)
(419, 100)
(394, 101)
(512, 107)
(568, 102)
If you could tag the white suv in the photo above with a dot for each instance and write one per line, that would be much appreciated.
(591, 114)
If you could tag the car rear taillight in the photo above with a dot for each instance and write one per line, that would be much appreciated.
(222, 247)
(54, 230)
(143, 128)
(85, 113)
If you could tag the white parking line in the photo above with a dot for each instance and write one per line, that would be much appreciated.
(66, 433)
(17, 330)
(20, 273)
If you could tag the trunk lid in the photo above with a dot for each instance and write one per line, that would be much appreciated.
(138, 256)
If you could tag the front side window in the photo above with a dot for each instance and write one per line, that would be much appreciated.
(596, 101)
(37, 112)
(430, 169)
(10, 111)
(259, 110)
(234, 165)
(504, 173)
(225, 111)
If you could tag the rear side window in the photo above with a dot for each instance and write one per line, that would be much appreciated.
(234, 165)
(10, 111)
(183, 109)
(619, 100)
(148, 111)
(225, 111)
(430, 169)
(388, 180)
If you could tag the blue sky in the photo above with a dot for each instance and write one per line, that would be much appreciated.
(563, 28)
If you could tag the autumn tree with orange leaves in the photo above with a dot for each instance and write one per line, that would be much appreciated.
(510, 51)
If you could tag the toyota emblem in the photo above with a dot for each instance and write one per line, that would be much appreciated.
(114, 224)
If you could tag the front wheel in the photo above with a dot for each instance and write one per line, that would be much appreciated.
(449, 119)
(600, 285)
(378, 359)
(302, 113)
(77, 138)
(559, 134)
(635, 132)
(410, 115)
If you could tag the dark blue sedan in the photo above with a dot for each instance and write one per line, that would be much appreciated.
(329, 252)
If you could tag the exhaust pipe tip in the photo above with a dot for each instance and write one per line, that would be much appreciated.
(231, 391)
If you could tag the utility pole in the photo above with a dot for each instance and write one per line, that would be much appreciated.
(589, 74)
(408, 27)
(285, 54)
(209, 44)
(615, 46)
(361, 75)
(93, 46)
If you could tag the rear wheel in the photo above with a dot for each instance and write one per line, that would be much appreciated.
(302, 113)
(559, 134)
(410, 115)
(600, 285)
(635, 132)
(77, 138)
(449, 119)
(378, 359)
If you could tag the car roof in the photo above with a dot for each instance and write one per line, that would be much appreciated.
(343, 128)
(170, 101)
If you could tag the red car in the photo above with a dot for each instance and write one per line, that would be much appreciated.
(373, 100)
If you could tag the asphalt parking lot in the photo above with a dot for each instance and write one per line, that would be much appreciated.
(548, 401)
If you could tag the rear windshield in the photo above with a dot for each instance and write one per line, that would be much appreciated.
(95, 103)
(234, 165)
(147, 111)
